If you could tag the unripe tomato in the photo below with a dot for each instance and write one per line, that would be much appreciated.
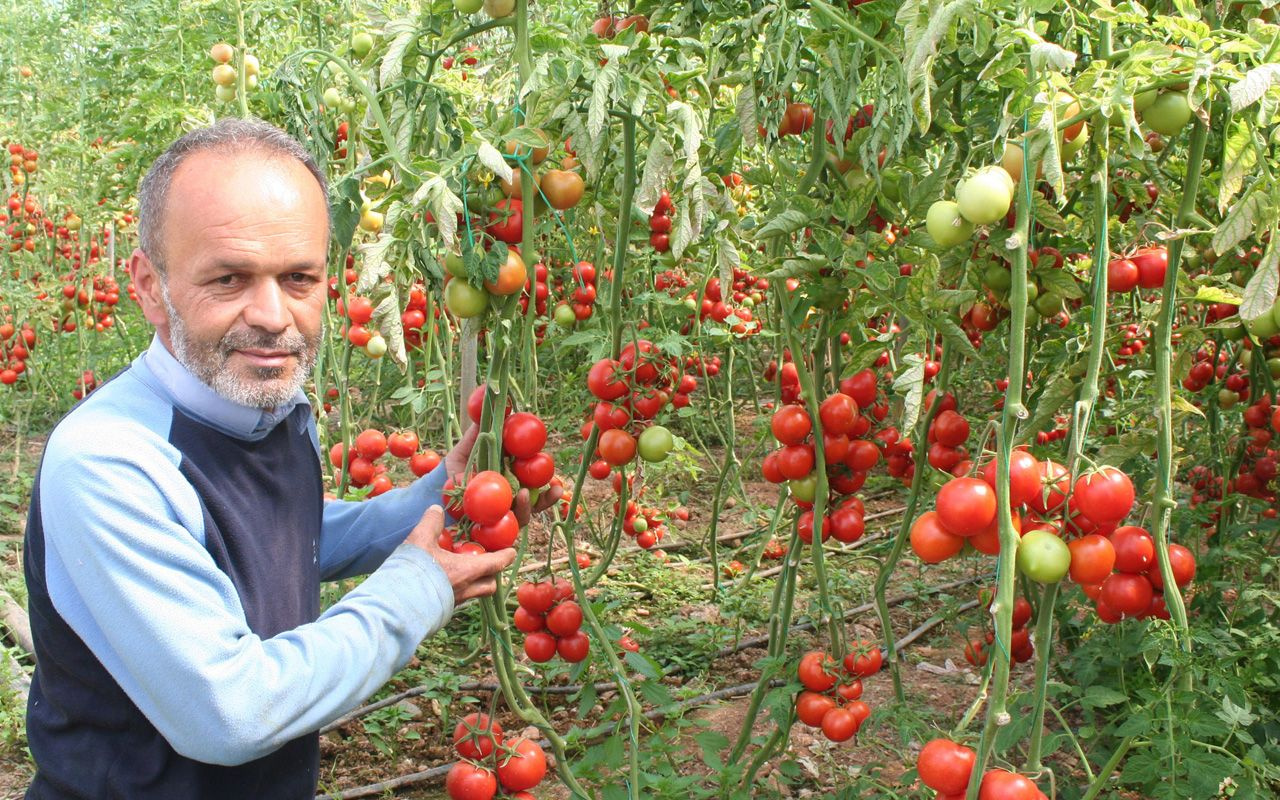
(985, 196)
(946, 225)
(1043, 557)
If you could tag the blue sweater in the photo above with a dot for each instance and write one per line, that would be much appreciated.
(175, 546)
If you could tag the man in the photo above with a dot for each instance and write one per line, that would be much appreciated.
(178, 533)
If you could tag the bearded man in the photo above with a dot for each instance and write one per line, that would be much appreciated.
(178, 532)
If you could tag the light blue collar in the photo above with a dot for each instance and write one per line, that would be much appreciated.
(161, 371)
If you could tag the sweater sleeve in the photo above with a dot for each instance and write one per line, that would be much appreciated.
(126, 567)
(358, 536)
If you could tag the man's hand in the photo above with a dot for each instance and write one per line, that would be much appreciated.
(471, 575)
(455, 465)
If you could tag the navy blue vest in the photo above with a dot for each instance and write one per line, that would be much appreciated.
(262, 503)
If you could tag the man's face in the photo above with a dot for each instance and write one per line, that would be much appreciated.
(245, 241)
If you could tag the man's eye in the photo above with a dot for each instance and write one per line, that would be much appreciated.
(302, 278)
(227, 280)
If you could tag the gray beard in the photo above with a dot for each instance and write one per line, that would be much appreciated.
(269, 388)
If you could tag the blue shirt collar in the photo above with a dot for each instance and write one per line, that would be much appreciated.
(160, 370)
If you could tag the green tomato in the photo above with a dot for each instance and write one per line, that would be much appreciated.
(1246, 358)
(1227, 398)
(1233, 334)
(985, 196)
(564, 316)
(1273, 367)
(655, 443)
(376, 347)
(348, 105)
(1033, 292)
(1169, 114)
(891, 185)
(804, 489)
(1275, 312)
(467, 6)
(997, 278)
(1072, 146)
(1043, 557)
(497, 9)
(332, 98)
(225, 94)
(1143, 100)
(454, 265)
(1263, 326)
(946, 225)
(1048, 304)
(639, 524)
(361, 44)
(464, 300)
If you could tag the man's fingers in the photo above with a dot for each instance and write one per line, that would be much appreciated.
(481, 588)
(549, 498)
(521, 508)
(426, 534)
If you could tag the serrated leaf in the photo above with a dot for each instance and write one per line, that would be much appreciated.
(1255, 83)
(1061, 282)
(1215, 294)
(444, 206)
(344, 210)
(910, 384)
(1260, 291)
(658, 166)
(727, 260)
(391, 63)
(374, 267)
(1181, 404)
(1239, 222)
(1047, 55)
(602, 91)
(386, 315)
(681, 230)
(784, 224)
(954, 335)
(744, 106)
(931, 188)
(489, 156)
(1238, 159)
(1102, 696)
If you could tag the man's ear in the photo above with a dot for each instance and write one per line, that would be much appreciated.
(150, 295)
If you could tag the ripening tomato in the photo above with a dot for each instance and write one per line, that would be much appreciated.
(466, 781)
(864, 658)
(617, 447)
(1092, 558)
(966, 506)
(932, 542)
(1024, 477)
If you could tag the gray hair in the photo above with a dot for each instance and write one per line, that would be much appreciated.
(228, 135)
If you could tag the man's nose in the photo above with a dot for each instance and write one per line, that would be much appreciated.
(267, 308)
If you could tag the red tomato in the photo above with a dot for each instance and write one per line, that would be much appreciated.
(487, 497)
(998, 784)
(526, 621)
(506, 222)
(804, 527)
(536, 471)
(476, 735)
(565, 619)
(1122, 275)
(795, 461)
(1056, 482)
(945, 766)
(838, 414)
(950, 429)
(814, 673)
(839, 724)
(1105, 496)
(1025, 473)
(863, 455)
(523, 768)
(864, 659)
(1092, 558)
(498, 536)
(617, 447)
(536, 597)
(791, 425)
(540, 647)
(371, 444)
(847, 525)
(931, 541)
(861, 386)
(966, 506)
(466, 781)
(1126, 594)
(403, 444)
(422, 463)
(1152, 263)
(1135, 549)
(574, 647)
(523, 435)
(605, 381)
(811, 707)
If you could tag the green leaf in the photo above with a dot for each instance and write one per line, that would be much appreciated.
(658, 165)
(1099, 696)
(1255, 83)
(488, 155)
(1239, 155)
(1061, 282)
(910, 384)
(345, 210)
(1239, 222)
(784, 224)
(1260, 291)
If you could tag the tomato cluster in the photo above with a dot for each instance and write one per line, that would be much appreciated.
(465, 300)
(1020, 646)
(630, 393)
(660, 223)
(576, 296)
(16, 345)
(552, 622)
(340, 140)
(1144, 268)
(492, 765)
(947, 768)
(23, 161)
(364, 468)
(832, 694)
(748, 291)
